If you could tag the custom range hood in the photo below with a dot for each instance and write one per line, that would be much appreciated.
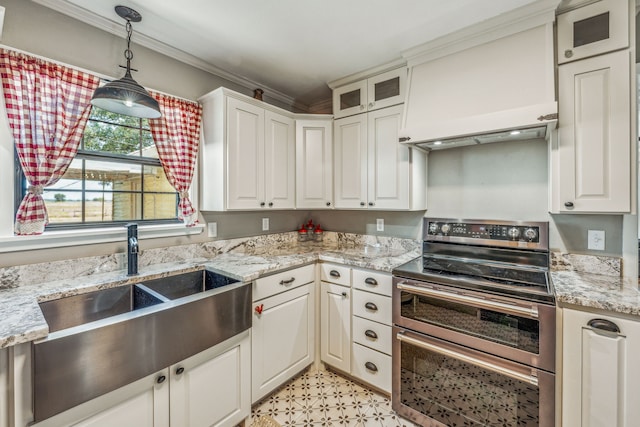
(490, 83)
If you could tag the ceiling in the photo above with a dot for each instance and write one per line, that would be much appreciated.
(289, 47)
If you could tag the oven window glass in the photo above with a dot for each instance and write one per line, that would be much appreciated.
(457, 393)
(591, 30)
(513, 331)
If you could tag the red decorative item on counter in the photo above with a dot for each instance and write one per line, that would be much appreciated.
(302, 234)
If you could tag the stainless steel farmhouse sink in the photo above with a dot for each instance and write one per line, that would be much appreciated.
(103, 340)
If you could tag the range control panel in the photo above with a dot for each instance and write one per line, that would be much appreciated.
(489, 232)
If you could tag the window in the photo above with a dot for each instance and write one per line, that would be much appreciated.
(116, 177)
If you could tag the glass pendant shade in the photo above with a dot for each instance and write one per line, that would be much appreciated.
(126, 96)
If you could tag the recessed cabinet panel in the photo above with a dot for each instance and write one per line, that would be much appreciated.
(388, 161)
(335, 327)
(246, 147)
(280, 160)
(593, 173)
(314, 164)
(351, 162)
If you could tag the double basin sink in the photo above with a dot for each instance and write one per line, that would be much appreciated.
(102, 340)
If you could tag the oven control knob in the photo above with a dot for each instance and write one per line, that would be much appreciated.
(514, 233)
(433, 228)
(445, 228)
(530, 234)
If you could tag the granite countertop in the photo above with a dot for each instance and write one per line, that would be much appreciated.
(23, 320)
(599, 291)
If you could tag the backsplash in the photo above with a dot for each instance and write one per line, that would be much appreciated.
(26, 275)
(602, 265)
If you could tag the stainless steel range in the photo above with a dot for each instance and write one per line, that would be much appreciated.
(474, 326)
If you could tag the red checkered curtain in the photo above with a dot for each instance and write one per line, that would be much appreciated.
(48, 106)
(177, 135)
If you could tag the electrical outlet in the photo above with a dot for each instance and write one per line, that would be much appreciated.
(596, 240)
(265, 224)
(380, 224)
(212, 229)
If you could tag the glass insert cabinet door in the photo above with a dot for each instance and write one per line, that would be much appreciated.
(380, 91)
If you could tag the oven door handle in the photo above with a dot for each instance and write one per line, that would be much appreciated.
(530, 312)
(531, 379)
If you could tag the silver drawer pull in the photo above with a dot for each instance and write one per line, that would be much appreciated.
(371, 281)
(371, 334)
(371, 306)
(334, 273)
(530, 311)
(531, 379)
(371, 366)
(287, 282)
(604, 325)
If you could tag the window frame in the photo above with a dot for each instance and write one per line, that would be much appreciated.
(21, 184)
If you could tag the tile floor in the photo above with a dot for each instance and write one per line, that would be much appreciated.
(318, 397)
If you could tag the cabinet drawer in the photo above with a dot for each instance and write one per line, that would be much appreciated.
(280, 282)
(372, 334)
(335, 274)
(372, 367)
(372, 281)
(372, 306)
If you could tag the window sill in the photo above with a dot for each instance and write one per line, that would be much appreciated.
(56, 239)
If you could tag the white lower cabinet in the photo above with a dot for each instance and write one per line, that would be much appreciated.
(211, 388)
(283, 336)
(335, 326)
(600, 372)
(355, 324)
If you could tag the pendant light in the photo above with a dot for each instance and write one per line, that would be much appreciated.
(126, 96)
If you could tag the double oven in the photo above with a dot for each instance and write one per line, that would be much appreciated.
(474, 326)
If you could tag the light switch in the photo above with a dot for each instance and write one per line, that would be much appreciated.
(596, 240)
(265, 224)
(380, 224)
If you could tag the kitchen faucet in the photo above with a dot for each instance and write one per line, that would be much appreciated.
(132, 249)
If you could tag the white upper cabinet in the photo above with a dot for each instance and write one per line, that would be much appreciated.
(372, 169)
(380, 91)
(590, 166)
(314, 163)
(248, 154)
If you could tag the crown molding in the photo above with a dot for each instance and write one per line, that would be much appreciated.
(322, 107)
(509, 23)
(88, 17)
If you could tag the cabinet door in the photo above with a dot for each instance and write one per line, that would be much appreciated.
(388, 161)
(335, 326)
(279, 157)
(597, 371)
(213, 388)
(350, 99)
(143, 403)
(245, 170)
(594, 141)
(350, 160)
(314, 164)
(282, 341)
(386, 89)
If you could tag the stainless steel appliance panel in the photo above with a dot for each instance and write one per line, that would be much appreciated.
(438, 383)
(518, 330)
